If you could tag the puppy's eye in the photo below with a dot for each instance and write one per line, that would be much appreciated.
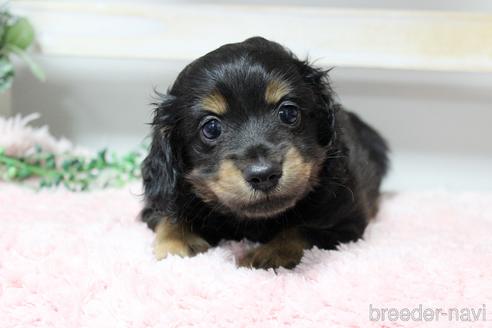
(212, 129)
(289, 113)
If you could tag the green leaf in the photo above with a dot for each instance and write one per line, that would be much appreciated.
(77, 165)
(58, 179)
(5, 83)
(46, 183)
(20, 34)
(101, 155)
(66, 164)
(12, 172)
(4, 20)
(50, 161)
(24, 173)
(92, 164)
(6, 74)
(2, 32)
(35, 69)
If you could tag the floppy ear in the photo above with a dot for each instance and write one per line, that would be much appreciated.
(317, 79)
(162, 168)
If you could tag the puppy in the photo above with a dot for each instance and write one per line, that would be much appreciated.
(249, 143)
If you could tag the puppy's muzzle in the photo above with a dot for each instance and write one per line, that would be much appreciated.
(263, 175)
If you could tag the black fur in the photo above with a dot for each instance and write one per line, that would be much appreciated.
(337, 207)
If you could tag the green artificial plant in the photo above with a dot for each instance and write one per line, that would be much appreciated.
(16, 36)
(75, 172)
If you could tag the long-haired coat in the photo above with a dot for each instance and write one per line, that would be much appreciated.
(249, 143)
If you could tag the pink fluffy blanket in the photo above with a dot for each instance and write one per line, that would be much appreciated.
(84, 260)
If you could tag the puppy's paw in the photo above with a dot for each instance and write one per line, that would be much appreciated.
(272, 256)
(188, 246)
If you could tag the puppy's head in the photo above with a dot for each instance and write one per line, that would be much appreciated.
(246, 127)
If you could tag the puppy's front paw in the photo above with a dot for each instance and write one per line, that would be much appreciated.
(272, 256)
(189, 246)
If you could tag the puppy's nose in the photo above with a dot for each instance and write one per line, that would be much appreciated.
(263, 176)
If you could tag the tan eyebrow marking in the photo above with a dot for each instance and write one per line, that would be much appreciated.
(276, 90)
(215, 103)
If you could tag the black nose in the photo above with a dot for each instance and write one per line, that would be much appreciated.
(263, 176)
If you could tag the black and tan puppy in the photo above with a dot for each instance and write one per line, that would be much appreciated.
(249, 143)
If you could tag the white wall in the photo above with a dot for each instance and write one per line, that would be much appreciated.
(438, 124)
(5, 103)
(455, 5)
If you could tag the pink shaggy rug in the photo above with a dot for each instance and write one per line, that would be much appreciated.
(83, 260)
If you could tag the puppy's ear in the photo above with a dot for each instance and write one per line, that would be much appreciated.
(163, 166)
(317, 79)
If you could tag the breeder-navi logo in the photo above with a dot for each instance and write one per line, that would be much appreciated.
(428, 314)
